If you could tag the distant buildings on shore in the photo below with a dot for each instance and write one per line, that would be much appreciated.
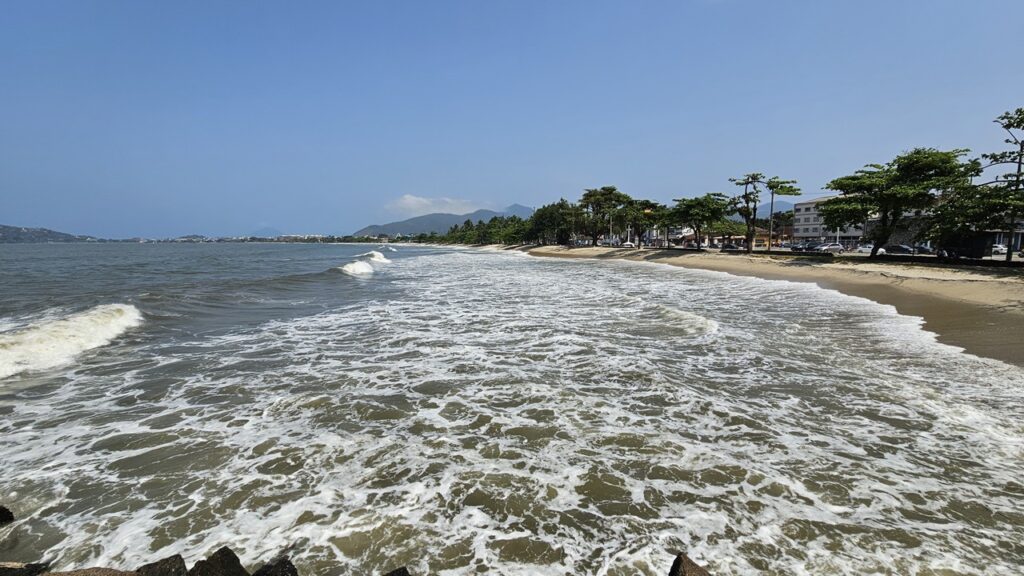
(807, 225)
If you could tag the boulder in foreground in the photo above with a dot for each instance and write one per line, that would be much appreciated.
(683, 566)
(399, 572)
(92, 572)
(223, 562)
(6, 516)
(19, 569)
(170, 566)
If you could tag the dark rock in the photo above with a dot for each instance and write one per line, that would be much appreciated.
(18, 569)
(223, 562)
(399, 572)
(92, 572)
(280, 566)
(170, 566)
(683, 566)
(6, 516)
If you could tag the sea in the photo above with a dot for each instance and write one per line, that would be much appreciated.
(466, 411)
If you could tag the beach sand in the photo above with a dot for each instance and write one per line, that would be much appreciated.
(979, 310)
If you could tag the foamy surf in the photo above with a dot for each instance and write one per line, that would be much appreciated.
(374, 256)
(53, 343)
(519, 415)
(358, 269)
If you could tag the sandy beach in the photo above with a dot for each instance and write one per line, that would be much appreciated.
(979, 310)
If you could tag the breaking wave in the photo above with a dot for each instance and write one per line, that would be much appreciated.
(51, 343)
(357, 268)
(531, 416)
(374, 256)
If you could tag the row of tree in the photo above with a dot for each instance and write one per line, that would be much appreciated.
(938, 188)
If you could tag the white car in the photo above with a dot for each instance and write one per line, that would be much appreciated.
(628, 245)
(867, 249)
(999, 249)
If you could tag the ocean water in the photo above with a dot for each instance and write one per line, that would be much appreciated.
(462, 411)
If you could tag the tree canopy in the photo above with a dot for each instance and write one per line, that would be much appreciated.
(890, 192)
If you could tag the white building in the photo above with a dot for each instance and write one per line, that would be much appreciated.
(807, 225)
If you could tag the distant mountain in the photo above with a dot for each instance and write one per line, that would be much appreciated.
(440, 222)
(266, 233)
(763, 210)
(20, 235)
(780, 206)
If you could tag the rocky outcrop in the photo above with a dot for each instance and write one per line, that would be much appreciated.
(92, 572)
(170, 566)
(223, 562)
(6, 516)
(18, 569)
(683, 566)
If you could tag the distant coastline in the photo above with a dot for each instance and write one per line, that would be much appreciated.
(977, 310)
(25, 235)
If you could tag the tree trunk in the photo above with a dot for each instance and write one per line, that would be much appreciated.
(1009, 242)
(771, 220)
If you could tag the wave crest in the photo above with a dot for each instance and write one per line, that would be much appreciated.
(374, 256)
(357, 268)
(52, 343)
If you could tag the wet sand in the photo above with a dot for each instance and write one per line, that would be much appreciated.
(979, 310)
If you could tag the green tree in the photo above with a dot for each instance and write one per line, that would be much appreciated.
(778, 187)
(600, 205)
(888, 192)
(727, 228)
(551, 224)
(1007, 200)
(700, 213)
(746, 203)
(641, 216)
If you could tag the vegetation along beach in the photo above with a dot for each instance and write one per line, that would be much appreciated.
(458, 288)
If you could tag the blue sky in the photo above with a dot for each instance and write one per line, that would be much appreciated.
(156, 119)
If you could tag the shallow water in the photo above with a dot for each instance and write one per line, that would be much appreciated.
(455, 410)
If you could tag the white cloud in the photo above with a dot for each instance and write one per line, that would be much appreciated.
(410, 205)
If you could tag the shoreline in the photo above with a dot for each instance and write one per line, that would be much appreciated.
(979, 311)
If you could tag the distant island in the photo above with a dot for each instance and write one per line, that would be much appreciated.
(439, 222)
(22, 235)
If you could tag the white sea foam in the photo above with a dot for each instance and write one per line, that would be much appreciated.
(598, 415)
(357, 268)
(54, 342)
(374, 256)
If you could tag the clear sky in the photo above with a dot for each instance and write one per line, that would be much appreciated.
(156, 119)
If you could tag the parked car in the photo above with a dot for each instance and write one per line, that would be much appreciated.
(796, 246)
(833, 247)
(729, 246)
(811, 246)
(922, 249)
(898, 249)
(628, 245)
(999, 249)
(866, 249)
